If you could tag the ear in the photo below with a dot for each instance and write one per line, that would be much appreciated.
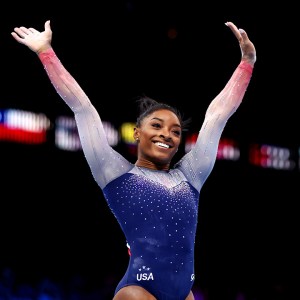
(136, 134)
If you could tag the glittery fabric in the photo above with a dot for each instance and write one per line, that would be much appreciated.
(157, 210)
(159, 224)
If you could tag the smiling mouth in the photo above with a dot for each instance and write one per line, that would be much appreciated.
(162, 145)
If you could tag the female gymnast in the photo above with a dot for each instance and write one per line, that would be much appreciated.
(156, 205)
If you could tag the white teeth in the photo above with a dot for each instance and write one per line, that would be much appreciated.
(162, 145)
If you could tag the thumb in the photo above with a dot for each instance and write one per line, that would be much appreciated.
(243, 34)
(47, 25)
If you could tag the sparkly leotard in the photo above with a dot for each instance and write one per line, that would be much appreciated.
(156, 210)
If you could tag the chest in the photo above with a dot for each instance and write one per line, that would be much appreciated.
(140, 197)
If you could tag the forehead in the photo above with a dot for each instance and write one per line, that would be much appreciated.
(164, 115)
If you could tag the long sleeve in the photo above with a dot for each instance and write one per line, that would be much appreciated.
(105, 163)
(198, 163)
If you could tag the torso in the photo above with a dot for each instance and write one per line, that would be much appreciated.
(158, 217)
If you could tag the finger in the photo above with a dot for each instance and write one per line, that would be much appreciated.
(231, 26)
(20, 31)
(33, 30)
(25, 30)
(235, 30)
(17, 38)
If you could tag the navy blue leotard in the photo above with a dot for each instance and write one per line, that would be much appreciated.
(156, 210)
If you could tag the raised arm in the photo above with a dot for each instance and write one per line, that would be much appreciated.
(229, 99)
(63, 82)
(101, 157)
(201, 158)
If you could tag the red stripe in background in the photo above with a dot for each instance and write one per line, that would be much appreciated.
(22, 136)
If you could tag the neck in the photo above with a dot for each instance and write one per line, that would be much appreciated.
(151, 165)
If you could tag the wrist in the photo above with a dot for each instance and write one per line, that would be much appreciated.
(43, 49)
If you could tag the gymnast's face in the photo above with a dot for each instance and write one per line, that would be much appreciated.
(158, 137)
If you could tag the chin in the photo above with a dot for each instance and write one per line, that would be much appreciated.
(159, 160)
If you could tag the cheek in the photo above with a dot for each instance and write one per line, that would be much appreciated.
(177, 141)
(145, 142)
(146, 135)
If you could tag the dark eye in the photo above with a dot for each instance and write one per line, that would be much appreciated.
(177, 132)
(156, 125)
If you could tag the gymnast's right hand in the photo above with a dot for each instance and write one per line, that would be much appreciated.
(35, 40)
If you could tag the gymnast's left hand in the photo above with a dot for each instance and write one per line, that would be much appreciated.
(247, 47)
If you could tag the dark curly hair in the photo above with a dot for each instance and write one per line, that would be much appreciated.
(148, 105)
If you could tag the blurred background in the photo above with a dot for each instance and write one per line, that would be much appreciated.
(58, 237)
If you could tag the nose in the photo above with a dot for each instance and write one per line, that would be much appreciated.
(165, 136)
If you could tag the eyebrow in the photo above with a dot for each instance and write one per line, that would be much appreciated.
(159, 119)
